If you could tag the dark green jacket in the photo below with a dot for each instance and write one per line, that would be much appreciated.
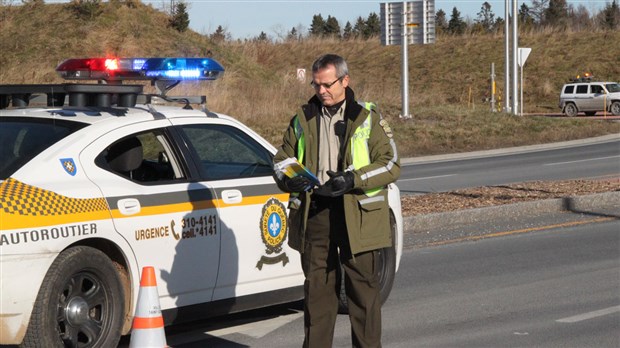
(367, 218)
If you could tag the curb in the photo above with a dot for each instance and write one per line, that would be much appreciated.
(509, 150)
(607, 201)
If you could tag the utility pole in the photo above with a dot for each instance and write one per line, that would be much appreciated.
(405, 50)
(515, 72)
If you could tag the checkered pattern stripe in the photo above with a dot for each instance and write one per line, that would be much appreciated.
(22, 199)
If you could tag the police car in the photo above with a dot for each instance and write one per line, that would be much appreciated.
(103, 180)
(587, 96)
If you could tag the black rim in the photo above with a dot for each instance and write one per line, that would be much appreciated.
(83, 310)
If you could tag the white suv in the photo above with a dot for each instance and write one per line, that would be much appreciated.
(93, 191)
(590, 97)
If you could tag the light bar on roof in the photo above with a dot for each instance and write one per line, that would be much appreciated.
(116, 69)
(182, 68)
(101, 69)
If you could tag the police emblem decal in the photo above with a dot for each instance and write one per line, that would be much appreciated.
(273, 228)
(69, 165)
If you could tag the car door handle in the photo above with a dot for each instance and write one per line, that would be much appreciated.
(128, 206)
(232, 196)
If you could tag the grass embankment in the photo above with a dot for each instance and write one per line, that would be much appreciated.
(448, 80)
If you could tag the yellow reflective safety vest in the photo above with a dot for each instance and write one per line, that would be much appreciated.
(368, 151)
(359, 144)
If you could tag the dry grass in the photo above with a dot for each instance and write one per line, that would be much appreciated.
(448, 80)
(479, 197)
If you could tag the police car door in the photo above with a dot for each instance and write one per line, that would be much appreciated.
(237, 163)
(169, 221)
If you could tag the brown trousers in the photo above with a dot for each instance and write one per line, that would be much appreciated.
(326, 241)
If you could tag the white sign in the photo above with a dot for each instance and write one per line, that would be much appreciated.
(524, 52)
(301, 75)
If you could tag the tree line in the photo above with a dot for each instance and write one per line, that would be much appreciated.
(539, 15)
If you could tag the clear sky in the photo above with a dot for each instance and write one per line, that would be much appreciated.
(247, 18)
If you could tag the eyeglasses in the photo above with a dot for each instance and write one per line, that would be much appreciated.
(325, 85)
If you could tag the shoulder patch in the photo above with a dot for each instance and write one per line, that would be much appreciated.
(386, 128)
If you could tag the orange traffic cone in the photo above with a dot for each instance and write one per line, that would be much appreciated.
(148, 324)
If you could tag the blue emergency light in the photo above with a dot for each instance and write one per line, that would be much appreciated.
(182, 68)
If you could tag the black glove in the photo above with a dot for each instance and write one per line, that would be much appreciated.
(338, 184)
(297, 184)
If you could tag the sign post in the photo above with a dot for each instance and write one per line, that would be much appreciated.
(524, 52)
(396, 18)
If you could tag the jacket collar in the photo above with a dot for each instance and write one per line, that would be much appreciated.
(352, 109)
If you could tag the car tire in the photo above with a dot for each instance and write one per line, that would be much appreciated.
(80, 303)
(386, 271)
(615, 108)
(570, 110)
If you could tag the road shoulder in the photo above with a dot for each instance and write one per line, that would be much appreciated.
(472, 224)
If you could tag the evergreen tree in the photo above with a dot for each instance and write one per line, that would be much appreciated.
(456, 25)
(373, 26)
(317, 28)
(557, 13)
(332, 27)
(219, 35)
(441, 23)
(525, 16)
(499, 23)
(293, 35)
(610, 16)
(348, 31)
(262, 37)
(486, 18)
(179, 19)
(360, 27)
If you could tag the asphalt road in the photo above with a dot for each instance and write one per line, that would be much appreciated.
(573, 160)
(557, 287)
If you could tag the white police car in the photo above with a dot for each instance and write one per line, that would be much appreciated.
(589, 97)
(92, 191)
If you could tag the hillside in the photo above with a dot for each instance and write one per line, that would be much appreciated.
(448, 80)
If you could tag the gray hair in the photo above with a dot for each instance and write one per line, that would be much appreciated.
(331, 59)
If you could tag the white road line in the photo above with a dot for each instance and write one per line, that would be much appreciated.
(590, 315)
(584, 160)
(428, 177)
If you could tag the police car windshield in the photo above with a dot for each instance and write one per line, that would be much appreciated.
(22, 139)
(613, 87)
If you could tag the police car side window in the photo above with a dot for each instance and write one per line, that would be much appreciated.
(582, 89)
(227, 153)
(145, 157)
(21, 139)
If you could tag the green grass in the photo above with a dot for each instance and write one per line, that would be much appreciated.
(448, 80)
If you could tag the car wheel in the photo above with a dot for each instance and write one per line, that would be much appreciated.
(590, 113)
(80, 303)
(570, 110)
(385, 268)
(615, 108)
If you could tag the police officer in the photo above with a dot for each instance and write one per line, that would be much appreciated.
(345, 219)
